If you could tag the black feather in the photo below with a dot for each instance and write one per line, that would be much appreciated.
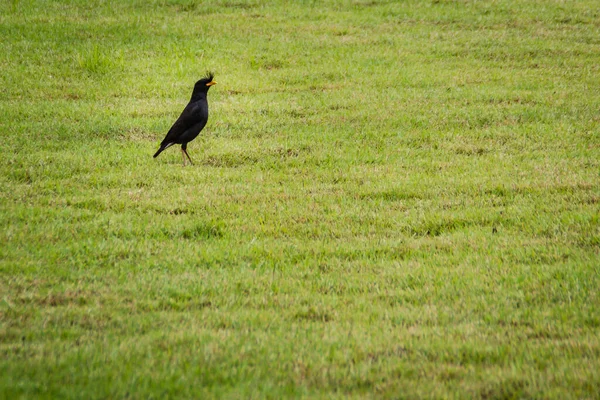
(192, 120)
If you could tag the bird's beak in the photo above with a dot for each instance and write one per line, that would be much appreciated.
(211, 83)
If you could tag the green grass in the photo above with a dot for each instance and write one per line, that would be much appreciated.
(390, 200)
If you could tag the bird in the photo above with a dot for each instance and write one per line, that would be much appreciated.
(192, 120)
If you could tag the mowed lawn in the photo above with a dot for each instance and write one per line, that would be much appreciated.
(391, 199)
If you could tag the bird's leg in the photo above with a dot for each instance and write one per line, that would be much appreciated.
(188, 156)
(183, 155)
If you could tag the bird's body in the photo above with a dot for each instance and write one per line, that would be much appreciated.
(192, 120)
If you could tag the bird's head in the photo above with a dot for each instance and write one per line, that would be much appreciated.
(205, 83)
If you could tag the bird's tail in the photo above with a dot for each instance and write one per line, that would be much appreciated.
(158, 152)
(162, 148)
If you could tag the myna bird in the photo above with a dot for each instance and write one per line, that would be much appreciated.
(192, 119)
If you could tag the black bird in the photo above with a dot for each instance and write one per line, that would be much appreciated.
(192, 120)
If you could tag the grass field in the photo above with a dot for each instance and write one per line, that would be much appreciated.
(390, 200)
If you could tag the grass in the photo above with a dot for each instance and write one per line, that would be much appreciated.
(390, 200)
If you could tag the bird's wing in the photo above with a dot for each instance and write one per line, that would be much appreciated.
(189, 117)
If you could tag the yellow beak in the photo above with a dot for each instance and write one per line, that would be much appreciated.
(211, 83)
